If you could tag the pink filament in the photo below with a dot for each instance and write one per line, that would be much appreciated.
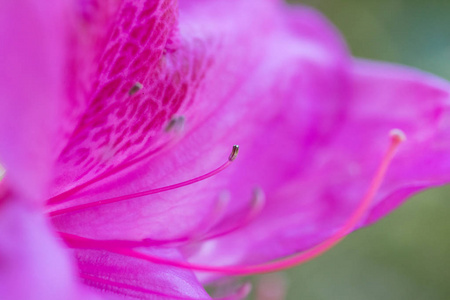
(273, 266)
(139, 194)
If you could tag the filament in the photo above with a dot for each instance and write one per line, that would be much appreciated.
(230, 160)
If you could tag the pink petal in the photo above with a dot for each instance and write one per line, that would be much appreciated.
(419, 104)
(120, 123)
(120, 275)
(33, 265)
(32, 62)
(243, 99)
(49, 62)
(312, 206)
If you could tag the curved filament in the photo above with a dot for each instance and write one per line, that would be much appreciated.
(74, 208)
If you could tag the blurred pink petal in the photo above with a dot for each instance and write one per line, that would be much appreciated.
(31, 64)
(33, 264)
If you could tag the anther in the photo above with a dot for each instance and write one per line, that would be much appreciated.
(234, 153)
(176, 124)
(135, 88)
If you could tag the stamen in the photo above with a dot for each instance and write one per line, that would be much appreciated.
(231, 158)
(397, 137)
(234, 153)
(176, 124)
(135, 88)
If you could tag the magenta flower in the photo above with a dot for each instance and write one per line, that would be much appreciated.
(116, 123)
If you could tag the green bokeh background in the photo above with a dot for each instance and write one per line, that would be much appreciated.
(407, 254)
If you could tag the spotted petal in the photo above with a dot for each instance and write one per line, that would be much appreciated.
(247, 87)
(122, 122)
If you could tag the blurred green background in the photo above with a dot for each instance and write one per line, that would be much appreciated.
(407, 254)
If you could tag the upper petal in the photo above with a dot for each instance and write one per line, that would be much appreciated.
(48, 62)
(121, 123)
(260, 65)
(34, 266)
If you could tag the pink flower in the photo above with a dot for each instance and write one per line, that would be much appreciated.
(113, 110)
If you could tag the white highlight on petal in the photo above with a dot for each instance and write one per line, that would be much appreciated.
(2, 172)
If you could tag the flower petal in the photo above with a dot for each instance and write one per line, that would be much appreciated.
(122, 122)
(33, 264)
(310, 208)
(134, 278)
(245, 93)
(32, 63)
(388, 96)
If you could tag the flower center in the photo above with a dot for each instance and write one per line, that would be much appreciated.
(127, 247)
